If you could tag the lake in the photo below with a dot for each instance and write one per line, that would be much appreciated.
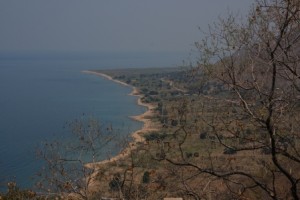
(40, 93)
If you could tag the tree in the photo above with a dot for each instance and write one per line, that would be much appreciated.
(146, 177)
(73, 169)
(14, 192)
(68, 161)
(254, 66)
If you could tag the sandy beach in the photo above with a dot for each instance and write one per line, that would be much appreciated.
(137, 135)
(105, 76)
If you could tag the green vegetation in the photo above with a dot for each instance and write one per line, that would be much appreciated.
(229, 127)
(146, 177)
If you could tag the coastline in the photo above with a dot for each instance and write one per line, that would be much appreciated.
(137, 135)
(105, 76)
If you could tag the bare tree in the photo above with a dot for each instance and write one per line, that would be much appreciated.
(73, 169)
(67, 160)
(252, 110)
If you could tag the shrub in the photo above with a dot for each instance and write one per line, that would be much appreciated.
(174, 122)
(115, 183)
(153, 92)
(155, 136)
(188, 154)
(146, 177)
(266, 150)
(229, 151)
(203, 135)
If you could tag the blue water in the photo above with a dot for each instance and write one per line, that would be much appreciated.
(39, 94)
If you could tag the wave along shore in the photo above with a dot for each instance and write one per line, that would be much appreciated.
(137, 135)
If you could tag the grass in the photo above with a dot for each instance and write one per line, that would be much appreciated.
(197, 114)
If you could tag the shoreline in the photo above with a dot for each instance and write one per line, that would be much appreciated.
(105, 76)
(148, 125)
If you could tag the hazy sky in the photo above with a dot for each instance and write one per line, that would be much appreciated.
(108, 25)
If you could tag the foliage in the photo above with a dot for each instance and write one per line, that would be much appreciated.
(249, 89)
(203, 135)
(229, 151)
(116, 183)
(242, 97)
(146, 177)
(155, 136)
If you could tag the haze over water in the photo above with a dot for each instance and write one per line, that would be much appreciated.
(40, 93)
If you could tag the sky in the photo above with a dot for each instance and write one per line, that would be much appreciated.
(108, 25)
